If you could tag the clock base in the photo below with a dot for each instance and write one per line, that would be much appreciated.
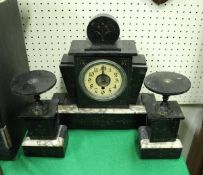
(158, 150)
(47, 148)
(99, 118)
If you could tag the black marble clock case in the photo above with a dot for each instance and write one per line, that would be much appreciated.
(123, 52)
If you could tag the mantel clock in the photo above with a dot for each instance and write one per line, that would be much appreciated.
(103, 71)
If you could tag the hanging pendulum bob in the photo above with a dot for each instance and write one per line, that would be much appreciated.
(103, 76)
(159, 138)
(45, 137)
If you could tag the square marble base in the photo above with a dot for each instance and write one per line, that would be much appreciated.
(158, 150)
(47, 148)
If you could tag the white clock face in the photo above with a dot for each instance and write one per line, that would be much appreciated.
(102, 80)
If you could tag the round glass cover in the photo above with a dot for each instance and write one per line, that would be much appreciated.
(102, 80)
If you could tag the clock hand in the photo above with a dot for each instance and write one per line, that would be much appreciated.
(102, 78)
(102, 70)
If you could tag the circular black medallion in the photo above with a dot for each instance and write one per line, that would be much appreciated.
(103, 30)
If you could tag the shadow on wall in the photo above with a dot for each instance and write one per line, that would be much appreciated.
(24, 15)
(190, 126)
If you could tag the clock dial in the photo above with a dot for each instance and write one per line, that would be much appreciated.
(102, 80)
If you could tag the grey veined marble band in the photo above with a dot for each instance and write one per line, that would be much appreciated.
(73, 109)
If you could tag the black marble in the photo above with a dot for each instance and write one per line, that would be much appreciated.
(43, 126)
(157, 150)
(103, 29)
(48, 149)
(33, 82)
(162, 128)
(167, 83)
(85, 48)
(98, 121)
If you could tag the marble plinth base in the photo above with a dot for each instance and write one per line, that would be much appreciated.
(47, 148)
(158, 150)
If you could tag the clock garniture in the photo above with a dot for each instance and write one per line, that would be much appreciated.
(45, 137)
(103, 76)
(158, 139)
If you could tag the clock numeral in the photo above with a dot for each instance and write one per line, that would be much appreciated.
(103, 68)
(115, 86)
(91, 74)
(110, 90)
(102, 92)
(117, 80)
(96, 90)
(89, 80)
(91, 86)
(115, 74)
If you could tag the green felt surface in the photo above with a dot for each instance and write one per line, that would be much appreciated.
(102, 152)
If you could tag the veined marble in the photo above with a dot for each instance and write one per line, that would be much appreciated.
(73, 109)
(146, 144)
(58, 142)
